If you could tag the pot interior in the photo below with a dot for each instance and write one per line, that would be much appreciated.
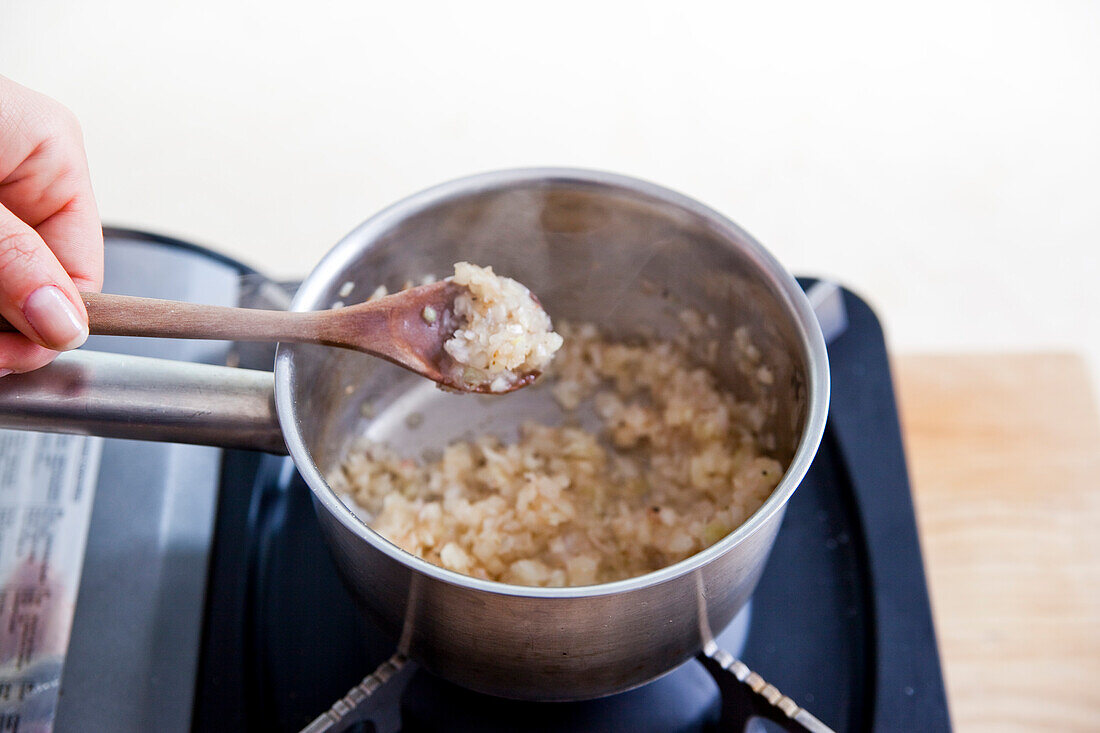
(627, 256)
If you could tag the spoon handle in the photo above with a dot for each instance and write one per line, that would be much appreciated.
(127, 315)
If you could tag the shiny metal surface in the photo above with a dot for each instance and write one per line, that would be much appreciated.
(598, 247)
(122, 396)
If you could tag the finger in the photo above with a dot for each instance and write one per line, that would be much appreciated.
(54, 197)
(75, 236)
(36, 294)
(51, 190)
(19, 355)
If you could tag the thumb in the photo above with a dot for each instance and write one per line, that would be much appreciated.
(37, 296)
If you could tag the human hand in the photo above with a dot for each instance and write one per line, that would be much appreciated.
(51, 240)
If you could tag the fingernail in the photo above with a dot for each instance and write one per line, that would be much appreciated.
(5, 372)
(55, 318)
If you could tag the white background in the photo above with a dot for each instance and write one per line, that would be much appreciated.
(943, 159)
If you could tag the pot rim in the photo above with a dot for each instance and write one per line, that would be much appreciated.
(350, 248)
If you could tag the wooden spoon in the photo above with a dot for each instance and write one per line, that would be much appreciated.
(406, 328)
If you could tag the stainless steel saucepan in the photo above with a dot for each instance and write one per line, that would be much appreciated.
(626, 254)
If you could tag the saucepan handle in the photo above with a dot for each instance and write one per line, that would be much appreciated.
(117, 396)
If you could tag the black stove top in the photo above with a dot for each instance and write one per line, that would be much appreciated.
(840, 621)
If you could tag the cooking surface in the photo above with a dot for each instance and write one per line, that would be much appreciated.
(1004, 453)
(853, 649)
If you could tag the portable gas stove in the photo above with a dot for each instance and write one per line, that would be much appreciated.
(208, 602)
